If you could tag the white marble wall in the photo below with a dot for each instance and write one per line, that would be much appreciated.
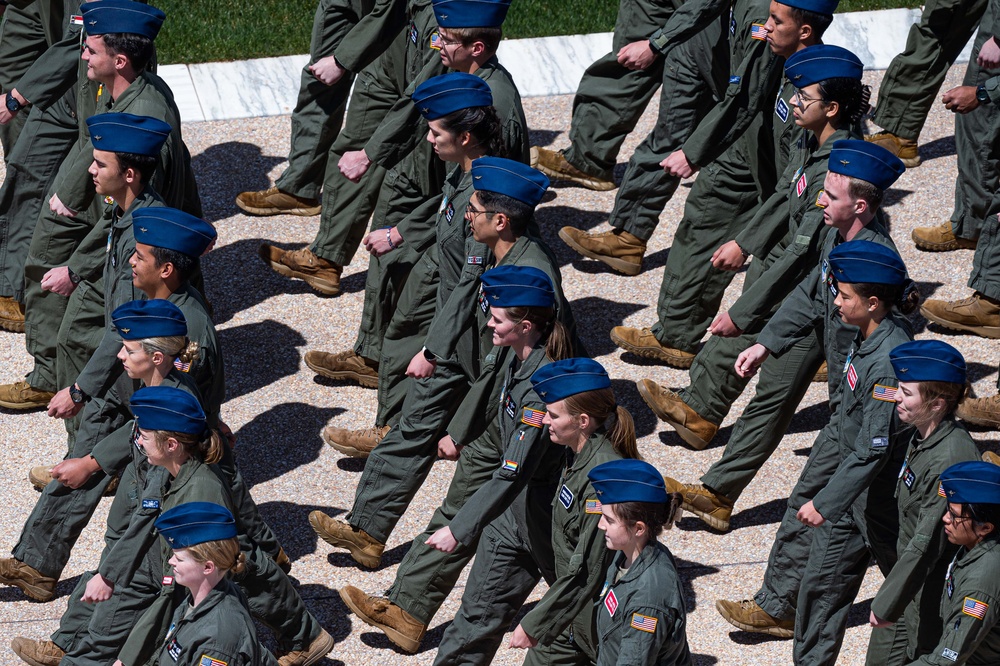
(540, 66)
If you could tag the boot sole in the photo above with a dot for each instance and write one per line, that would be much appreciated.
(12, 326)
(588, 182)
(360, 557)
(654, 353)
(403, 642)
(366, 381)
(991, 332)
(33, 591)
(349, 451)
(688, 436)
(24, 406)
(307, 211)
(942, 247)
(707, 518)
(982, 422)
(30, 660)
(778, 632)
(321, 650)
(622, 267)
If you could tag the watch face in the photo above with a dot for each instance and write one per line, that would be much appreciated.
(12, 104)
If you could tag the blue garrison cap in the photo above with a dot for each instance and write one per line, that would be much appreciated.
(561, 379)
(821, 62)
(172, 229)
(450, 92)
(168, 408)
(628, 480)
(127, 133)
(121, 16)
(516, 180)
(827, 7)
(865, 262)
(972, 482)
(195, 522)
(158, 318)
(518, 287)
(865, 161)
(471, 13)
(928, 361)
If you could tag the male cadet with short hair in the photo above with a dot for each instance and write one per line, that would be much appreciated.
(852, 193)
(344, 31)
(117, 49)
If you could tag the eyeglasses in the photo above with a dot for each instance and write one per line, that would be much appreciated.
(803, 101)
(469, 210)
(957, 518)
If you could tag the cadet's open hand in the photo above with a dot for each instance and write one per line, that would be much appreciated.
(354, 164)
(57, 281)
(61, 406)
(420, 367)
(98, 589)
(59, 208)
(989, 55)
(961, 99)
(443, 540)
(808, 515)
(877, 622)
(677, 165)
(74, 472)
(729, 257)
(637, 55)
(750, 359)
(724, 327)
(521, 640)
(327, 70)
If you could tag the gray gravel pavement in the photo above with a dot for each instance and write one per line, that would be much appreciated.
(277, 406)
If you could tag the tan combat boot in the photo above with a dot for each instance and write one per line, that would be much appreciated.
(748, 616)
(273, 201)
(905, 149)
(399, 626)
(822, 374)
(715, 510)
(669, 407)
(29, 579)
(984, 412)
(642, 342)
(37, 653)
(282, 561)
(11, 315)
(317, 272)
(355, 443)
(977, 314)
(990, 457)
(940, 239)
(345, 365)
(21, 395)
(620, 250)
(365, 550)
(555, 165)
(318, 648)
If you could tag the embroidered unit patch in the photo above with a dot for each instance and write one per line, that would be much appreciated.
(611, 603)
(852, 376)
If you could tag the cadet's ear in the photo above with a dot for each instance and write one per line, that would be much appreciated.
(477, 49)
(860, 206)
(501, 221)
(132, 176)
(585, 421)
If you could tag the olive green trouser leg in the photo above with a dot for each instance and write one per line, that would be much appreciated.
(502, 576)
(975, 138)
(426, 576)
(685, 98)
(47, 137)
(274, 601)
(318, 113)
(783, 382)
(405, 334)
(887, 646)
(985, 276)
(720, 203)
(79, 333)
(910, 86)
(402, 460)
(563, 651)
(790, 550)
(22, 41)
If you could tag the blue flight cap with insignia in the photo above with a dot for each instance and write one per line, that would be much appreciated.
(516, 180)
(120, 17)
(628, 480)
(471, 13)
(189, 524)
(157, 318)
(972, 482)
(168, 408)
(928, 361)
(865, 262)
(561, 379)
(865, 161)
(127, 133)
(518, 287)
(821, 62)
(450, 92)
(172, 229)
(827, 7)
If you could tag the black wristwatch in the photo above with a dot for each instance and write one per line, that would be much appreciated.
(73, 277)
(77, 395)
(429, 355)
(12, 104)
(982, 95)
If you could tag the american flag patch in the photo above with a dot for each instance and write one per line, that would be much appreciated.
(211, 661)
(435, 41)
(180, 365)
(532, 417)
(941, 490)
(757, 31)
(818, 197)
(643, 622)
(975, 608)
(592, 506)
(509, 465)
(887, 393)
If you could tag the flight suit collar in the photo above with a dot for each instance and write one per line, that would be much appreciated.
(647, 557)
(870, 344)
(941, 432)
(598, 442)
(145, 199)
(134, 90)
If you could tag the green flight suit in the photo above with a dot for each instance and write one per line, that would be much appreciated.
(985, 276)
(219, 628)
(911, 593)
(641, 618)
(516, 551)
(862, 519)
(22, 41)
(978, 159)
(969, 609)
(910, 86)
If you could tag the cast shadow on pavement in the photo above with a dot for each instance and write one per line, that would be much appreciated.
(596, 316)
(858, 616)
(341, 559)
(628, 397)
(810, 419)
(63, 588)
(250, 173)
(290, 523)
(671, 438)
(248, 369)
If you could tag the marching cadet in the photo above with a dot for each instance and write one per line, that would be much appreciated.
(640, 613)
(932, 381)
